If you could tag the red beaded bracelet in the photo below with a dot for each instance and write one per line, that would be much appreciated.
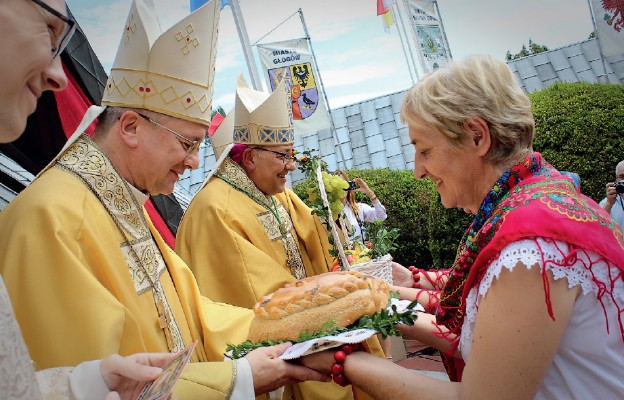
(340, 356)
(415, 276)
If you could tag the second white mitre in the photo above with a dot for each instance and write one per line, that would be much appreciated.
(261, 118)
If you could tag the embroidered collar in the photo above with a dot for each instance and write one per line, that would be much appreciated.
(235, 174)
(140, 197)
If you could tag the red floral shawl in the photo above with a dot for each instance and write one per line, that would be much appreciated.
(532, 199)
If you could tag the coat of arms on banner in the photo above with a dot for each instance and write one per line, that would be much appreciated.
(614, 14)
(303, 89)
(432, 45)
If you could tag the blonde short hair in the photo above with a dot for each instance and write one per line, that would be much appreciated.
(480, 86)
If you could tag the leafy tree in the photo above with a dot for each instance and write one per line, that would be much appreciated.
(579, 129)
(219, 110)
(533, 48)
(536, 48)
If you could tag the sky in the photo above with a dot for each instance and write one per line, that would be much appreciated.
(356, 59)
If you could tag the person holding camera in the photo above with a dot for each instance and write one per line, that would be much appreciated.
(358, 213)
(614, 202)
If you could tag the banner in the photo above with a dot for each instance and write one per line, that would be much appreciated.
(609, 19)
(292, 60)
(429, 34)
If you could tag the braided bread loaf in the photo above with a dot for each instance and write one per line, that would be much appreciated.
(307, 304)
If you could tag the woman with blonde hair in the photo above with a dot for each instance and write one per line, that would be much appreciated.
(534, 303)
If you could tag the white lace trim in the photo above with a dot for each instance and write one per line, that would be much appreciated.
(530, 252)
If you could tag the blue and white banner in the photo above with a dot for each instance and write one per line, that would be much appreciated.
(429, 34)
(292, 60)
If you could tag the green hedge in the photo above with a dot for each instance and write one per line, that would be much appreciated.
(429, 234)
(446, 227)
(580, 128)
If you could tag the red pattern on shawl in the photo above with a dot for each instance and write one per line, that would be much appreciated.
(543, 204)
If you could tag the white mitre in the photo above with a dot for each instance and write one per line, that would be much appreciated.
(258, 119)
(263, 119)
(170, 73)
(222, 137)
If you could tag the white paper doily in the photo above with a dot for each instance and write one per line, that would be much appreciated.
(328, 342)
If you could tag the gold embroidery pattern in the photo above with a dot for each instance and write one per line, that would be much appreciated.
(297, 269)
(234, 173)
(130, 28)
(143, 259)
(187, 39)
(145, 262)
(129, 84)
(258, 134)
(228, 395)
(270, 225)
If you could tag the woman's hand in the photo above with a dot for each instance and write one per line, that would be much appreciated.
(401, 276)
(363, 187)
(321, 361)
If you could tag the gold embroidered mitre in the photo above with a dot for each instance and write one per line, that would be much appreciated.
(263, 119)
(170, 73)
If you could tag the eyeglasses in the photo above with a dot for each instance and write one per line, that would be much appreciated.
(68, 31)
(191, 147)
(285, 157)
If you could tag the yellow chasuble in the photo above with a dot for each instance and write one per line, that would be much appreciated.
(234, 245)
(76, 295)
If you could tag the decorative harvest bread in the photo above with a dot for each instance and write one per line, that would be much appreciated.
(307, 305)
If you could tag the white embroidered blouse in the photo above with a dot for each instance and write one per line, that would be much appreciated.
(590, 359)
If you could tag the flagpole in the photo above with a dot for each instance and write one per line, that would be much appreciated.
(448, 48)
(318, 74)
(411, 62)
(604, 66)
(244, 39)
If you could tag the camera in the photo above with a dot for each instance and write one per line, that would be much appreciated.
(353, 185)
(619, 187)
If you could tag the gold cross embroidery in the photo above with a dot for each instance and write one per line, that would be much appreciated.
(187, 39)
(164, 320)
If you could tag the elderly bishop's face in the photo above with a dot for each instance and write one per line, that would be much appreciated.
(272, 166)
(28, 32)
